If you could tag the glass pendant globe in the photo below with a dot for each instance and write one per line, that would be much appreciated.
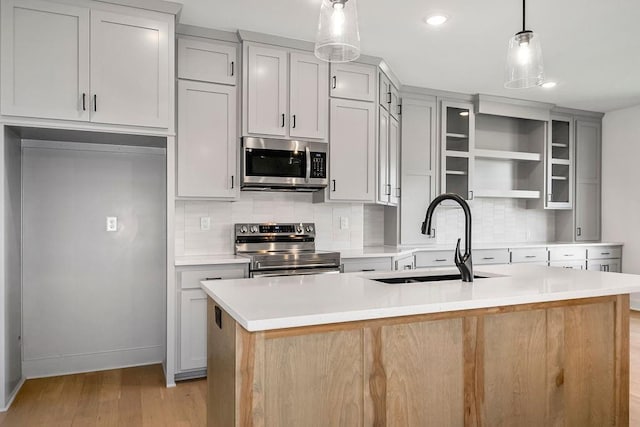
(338, 38)
(524, 67)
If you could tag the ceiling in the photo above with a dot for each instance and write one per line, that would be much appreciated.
(590, 47)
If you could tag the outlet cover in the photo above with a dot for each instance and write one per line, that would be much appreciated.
(205, 223)
(344, 223)
(112, 223)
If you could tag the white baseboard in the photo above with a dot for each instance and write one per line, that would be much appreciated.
(101, 361)
(13, 395)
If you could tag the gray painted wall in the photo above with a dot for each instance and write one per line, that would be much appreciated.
(13, 261)
(93, 299)
(620, 195)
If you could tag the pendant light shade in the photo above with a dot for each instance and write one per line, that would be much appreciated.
(338, 38)
(524, 66)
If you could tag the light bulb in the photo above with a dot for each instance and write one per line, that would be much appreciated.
(337, 20)
(524, 54)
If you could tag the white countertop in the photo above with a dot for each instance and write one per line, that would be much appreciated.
(293, 301)
(210, 260)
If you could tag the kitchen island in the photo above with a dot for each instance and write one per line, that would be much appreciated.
(527, 345)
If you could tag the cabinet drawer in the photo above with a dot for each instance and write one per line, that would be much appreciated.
(491, 256)
(366, 264)
(191, 279)
(405, 263)
(206, 61)
(604, 252)
(577, 265)
(567, 253)
(529, 255)
(434, 258)
(609, 265)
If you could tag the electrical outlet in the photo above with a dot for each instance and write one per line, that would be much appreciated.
(344, 223)
(112, 223)
(205, 223)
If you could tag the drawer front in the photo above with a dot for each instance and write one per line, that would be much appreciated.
(405, 263)
(609, 265)
(434, 259)
(491, 256)
(366, 264)
(576, 265)
(190, 279)
(604, 252)
(536, 255)
(567, 253)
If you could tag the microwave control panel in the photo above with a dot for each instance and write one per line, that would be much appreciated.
(318, 165)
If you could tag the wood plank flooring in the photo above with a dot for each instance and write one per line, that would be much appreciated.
(138, 397)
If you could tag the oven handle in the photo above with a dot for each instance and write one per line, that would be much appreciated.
(308, 173)
(293, 267)
(294, 272)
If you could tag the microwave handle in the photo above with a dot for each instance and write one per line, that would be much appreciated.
(308, 173)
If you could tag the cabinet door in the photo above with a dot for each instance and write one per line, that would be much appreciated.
(609, 265)
(45, 60)
(353, 81)
(309, 97)
(207, 61)
(267, 91)
(394, 106)
(457, 145)
(588, 161)
(394, 161)
(193, 330)
(351, 151)
(207, 141)
(384, 90)
(419, 167)
(560, 164)
(129, 70)
(384, 187)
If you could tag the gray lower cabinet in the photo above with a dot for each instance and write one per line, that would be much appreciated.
(407, 262)
(604, 258)
(588, 161)
(351, 265)
(608, 265)
(191, 331)
(530, 255)
(491, 256)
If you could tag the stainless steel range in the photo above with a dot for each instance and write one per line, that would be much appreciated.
(283, 250)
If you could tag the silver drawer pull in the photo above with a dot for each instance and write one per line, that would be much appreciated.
(530, 256)
(440, 260)
(568, 254)
(408, 267)
(605, 253)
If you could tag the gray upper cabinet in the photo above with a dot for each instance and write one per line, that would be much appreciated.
(588, 166)
(352, 151)
(45, 60)
(72, 63)
(129, 70)
(286, 94)
(206, 61)
(388, 159)
(394, 161)
(308, 96)
(388, 96)
(353, 81)
(419, 167)
(266, 91)
(207, 140)
(457, 147)
(560, 163)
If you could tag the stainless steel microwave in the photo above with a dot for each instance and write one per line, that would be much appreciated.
(277, 164)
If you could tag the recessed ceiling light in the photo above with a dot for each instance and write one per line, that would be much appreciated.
(436, 20)
(548, 85)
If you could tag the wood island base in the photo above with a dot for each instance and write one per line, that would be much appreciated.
(543, 364)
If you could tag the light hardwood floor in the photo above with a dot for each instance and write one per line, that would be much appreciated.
(138, 397)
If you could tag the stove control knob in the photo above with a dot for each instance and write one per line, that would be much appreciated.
(309, 228)
(254, 228)
(299, 228)
(243, 229)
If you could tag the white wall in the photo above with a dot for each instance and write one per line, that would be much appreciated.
(93, 299)
(12, 262)
(620, 190)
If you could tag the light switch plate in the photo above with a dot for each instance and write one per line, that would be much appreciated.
(205, 223)
(112, 223)
(344, 223)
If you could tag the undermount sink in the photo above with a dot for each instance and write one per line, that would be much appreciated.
(420, 279)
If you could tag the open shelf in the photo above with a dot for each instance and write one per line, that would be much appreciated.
(560, 162)
(508, 155)
(512, 194)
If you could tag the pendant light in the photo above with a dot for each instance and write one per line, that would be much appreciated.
(524, 67)
(338, 38)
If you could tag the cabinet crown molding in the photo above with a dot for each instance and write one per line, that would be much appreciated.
(153, 5)
(207, 33)
(510, 107)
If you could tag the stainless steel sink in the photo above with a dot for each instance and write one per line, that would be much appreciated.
(420, 279)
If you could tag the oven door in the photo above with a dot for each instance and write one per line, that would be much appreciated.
(295, 272)
(274, 163)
